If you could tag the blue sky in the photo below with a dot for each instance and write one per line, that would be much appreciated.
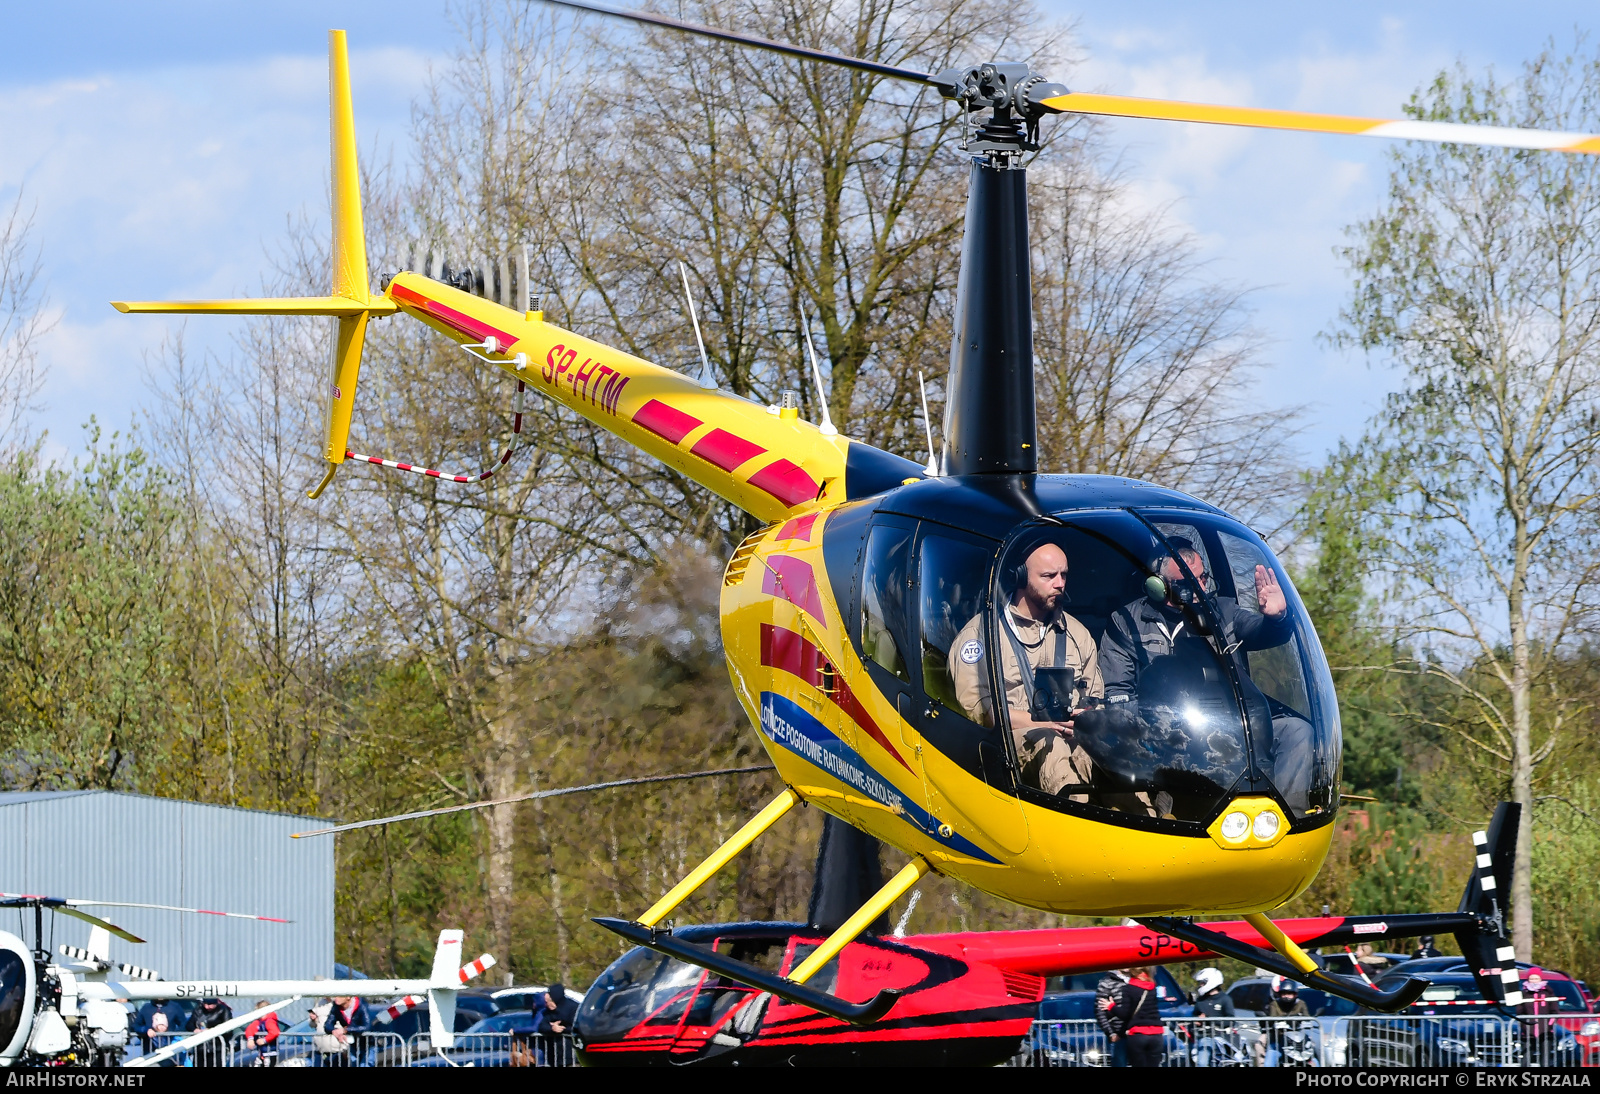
(165, 145)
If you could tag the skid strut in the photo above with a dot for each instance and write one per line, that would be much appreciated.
(645, 931)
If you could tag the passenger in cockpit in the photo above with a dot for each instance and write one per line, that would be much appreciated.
(1163, 626)
(1050, 668)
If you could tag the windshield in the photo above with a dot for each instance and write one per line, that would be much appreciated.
(640, 985)
(13, 994)
(1152, 663)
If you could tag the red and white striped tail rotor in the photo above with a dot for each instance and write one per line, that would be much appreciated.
(445, 476)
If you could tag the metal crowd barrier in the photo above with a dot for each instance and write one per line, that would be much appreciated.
(492, 1050)
(376, 1049)
(1444, 1040)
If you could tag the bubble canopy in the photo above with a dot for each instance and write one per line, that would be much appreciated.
(1142, 663)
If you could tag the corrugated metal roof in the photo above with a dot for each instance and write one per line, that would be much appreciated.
(102, 845)
(21, 797)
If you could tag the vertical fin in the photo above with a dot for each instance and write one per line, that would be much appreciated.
(349, 242)
(349, 254)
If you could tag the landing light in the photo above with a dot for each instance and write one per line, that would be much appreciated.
(1235, 825)
(1266, 825)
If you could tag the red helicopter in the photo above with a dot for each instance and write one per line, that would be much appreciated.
(964, 999)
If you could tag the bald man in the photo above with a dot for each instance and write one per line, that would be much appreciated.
(1037, 630)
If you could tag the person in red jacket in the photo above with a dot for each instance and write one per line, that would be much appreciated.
(1140, 1016)
(262, 1035)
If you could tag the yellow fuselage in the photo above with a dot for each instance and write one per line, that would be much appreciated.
(841, 744)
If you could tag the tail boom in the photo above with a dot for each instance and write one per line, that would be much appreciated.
(768, 465)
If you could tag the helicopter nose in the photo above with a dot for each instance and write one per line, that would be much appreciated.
(1249, 824)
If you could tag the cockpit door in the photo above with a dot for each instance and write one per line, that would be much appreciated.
(968, 771)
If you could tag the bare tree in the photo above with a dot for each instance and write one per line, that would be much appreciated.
(1145, 367)
(22, 323)
(1482, 279)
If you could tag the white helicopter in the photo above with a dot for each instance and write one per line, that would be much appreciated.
(67, 1008)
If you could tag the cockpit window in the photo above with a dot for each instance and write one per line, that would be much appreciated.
(953, 576)
(642, 985)
(1153, 664)
(883, 598)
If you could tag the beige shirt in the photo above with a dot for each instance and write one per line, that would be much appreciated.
(969, 661)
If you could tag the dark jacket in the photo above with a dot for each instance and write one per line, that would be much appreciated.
(1275, 1009)
(1106, 994)
(176, 1021)
(211, 1012)
(1137, 1005)
(1216, 1005)
(357, 1020)
(1540, 1004)
(1135, 636)
(565, 1012)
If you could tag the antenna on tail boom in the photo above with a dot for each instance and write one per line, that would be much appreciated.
(826, 428)
(707, 381)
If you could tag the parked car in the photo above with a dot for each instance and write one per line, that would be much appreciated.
(1081, 1044)
(507, 1021)
(1253, 993)
(1345, 964)
(1422, 966)
(1459, 1028)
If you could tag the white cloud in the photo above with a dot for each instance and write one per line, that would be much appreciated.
(170, 184)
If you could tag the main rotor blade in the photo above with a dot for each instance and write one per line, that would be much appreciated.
(537, 794)
(174, 908)
(75, 902)
(98, 922)
(804, 53)
(1126, 106)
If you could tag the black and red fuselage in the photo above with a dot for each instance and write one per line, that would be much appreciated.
(969, 998)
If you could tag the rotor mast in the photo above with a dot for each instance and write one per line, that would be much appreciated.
(990, 426)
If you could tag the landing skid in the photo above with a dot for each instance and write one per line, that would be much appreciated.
(1347, 987)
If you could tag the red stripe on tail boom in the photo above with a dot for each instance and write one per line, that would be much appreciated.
(786, 482)
(726, 450)
(669, 423)
(455, 320)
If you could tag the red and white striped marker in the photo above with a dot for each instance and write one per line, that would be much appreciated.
(401, 1006)
(477, 968)
(516, 431)
(483, 964)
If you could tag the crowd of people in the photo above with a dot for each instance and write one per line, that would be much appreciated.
(339, 1029)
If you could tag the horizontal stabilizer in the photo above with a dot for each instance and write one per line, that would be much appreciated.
(266, 305)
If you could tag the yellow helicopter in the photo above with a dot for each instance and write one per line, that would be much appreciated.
(1083, 694)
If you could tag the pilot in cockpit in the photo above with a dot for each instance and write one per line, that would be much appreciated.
(1156, 626)
(1062, 673)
